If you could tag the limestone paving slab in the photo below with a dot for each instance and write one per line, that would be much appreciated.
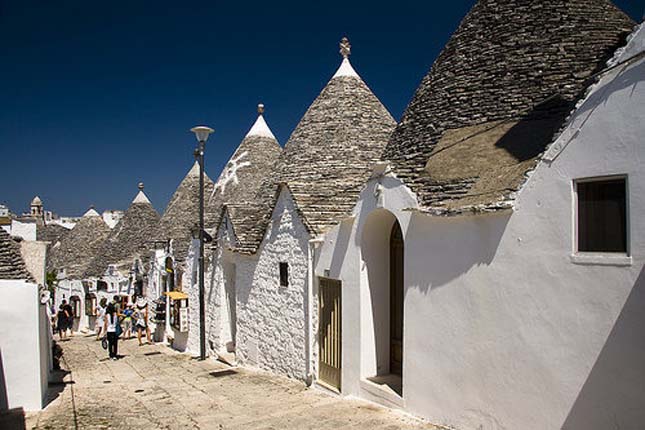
(154, 387)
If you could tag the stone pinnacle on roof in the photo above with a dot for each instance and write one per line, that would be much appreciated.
(141, 196)
(330, 153)
(345, 68)
(260, 127)
(345, 47)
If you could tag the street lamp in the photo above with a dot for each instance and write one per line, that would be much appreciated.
(201, 133)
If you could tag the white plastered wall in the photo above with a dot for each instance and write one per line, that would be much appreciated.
(502, 329)
(25, 345)
(66, 289)
(271, 319)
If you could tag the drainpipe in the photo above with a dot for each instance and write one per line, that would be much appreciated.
(311, 255)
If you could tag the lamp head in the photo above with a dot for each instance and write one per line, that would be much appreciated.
(202, 132)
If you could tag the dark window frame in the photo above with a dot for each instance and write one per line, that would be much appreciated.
(283, 269)
(589, 244)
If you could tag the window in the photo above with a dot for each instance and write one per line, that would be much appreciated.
(602, 215)
(284, 274)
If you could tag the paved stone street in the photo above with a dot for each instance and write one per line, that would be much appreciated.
(155, 387)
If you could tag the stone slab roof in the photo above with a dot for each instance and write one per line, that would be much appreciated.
(242, 177)
(50, 232)
(249, 221)
(130, 239)
(12, 266)
(182, 213)
(80, 245)
(496, 95)
(330, 153)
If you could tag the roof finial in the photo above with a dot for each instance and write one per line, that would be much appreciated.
(91, 206)
(345, 47)
(260, 108)
(140, 186)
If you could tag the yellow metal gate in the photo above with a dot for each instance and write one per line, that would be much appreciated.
(329, 336)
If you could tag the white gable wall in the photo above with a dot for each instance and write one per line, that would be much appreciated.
(502, 330)
(66, 289)
(270, 318)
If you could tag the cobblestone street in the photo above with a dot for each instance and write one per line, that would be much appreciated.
(155, 387)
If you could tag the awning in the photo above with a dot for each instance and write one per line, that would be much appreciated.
(176, 295)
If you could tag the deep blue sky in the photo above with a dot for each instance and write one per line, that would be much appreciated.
(97, 96)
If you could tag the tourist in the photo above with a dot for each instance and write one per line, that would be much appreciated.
(127, 322)
(141, 318)
(70, 317)
(110, 327)
(62, 318)
(116, 301)
(100, 317)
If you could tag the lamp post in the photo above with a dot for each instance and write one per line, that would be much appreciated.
(201, 133)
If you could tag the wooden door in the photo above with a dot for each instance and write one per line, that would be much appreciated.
(396, 300)
(329, 334)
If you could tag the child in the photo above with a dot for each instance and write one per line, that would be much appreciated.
(127, 322)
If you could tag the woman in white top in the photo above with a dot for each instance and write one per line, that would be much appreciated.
(100, 317)
(111, 321)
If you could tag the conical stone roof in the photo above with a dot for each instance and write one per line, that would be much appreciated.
(244, 174)
(51, 233)
(182, 213)
(129, 239)
(496, 95)
(12, 266)
(330, 154)
(80, 245)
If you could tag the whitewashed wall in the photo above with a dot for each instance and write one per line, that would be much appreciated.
(502, 329)
(25, 230)
(270, 318)
(25, 346)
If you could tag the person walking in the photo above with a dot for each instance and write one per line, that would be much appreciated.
(61, 320)
(110, 327)
(100, 317)
(116, 301)
(69, 312)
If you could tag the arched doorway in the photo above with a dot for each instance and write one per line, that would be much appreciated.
(382, 300)
(396, 300)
